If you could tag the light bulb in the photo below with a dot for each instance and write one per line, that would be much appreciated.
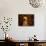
(7, 35)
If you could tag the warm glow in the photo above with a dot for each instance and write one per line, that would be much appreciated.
(7, 35)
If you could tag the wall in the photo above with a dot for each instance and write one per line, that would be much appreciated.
(11, 8)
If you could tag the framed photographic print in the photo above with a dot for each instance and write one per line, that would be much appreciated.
(25, 19)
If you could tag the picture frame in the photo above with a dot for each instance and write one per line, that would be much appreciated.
(25, 19)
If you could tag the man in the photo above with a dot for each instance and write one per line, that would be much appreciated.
(25, 21)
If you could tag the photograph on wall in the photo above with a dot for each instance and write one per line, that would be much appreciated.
(25, 19)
